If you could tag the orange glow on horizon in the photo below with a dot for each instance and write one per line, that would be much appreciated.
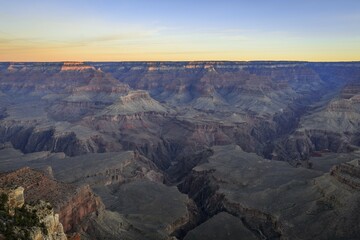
(54, 55)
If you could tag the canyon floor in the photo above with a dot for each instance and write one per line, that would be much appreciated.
(186, 150)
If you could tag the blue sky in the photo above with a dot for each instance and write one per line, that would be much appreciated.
(109, 30)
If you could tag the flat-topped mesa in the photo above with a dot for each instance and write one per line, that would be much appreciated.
(134, 102)
(13, 67)
(192, 65)
(76, 66)
(135, 96)
(30, 69)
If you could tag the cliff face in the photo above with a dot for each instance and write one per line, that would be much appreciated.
(331, 125)
(82, 205)
(72, 203)
(36, 221)
(50, 221)
(273, 199)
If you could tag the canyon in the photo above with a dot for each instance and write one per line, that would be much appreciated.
(186, 150)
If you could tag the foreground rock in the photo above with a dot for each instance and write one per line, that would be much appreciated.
(27, 221)
(72, 203)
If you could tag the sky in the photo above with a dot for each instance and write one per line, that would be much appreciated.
(179, 30)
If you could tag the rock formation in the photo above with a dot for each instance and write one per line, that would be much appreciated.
(266, 148)
(72, 203)
(348, 174)
(15, 196)
(30, 221)
(272, 199)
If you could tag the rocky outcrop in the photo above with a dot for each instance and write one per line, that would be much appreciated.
(49, 220)
(15, 198)
(34, 221)
(72, 203)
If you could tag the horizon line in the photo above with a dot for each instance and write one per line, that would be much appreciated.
(174, 61)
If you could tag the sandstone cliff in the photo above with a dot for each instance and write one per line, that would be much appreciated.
(72, 203)
(36, 221)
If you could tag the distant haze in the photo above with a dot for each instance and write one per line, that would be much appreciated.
(160, 30)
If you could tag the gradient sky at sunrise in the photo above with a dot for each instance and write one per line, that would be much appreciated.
(120, 30)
